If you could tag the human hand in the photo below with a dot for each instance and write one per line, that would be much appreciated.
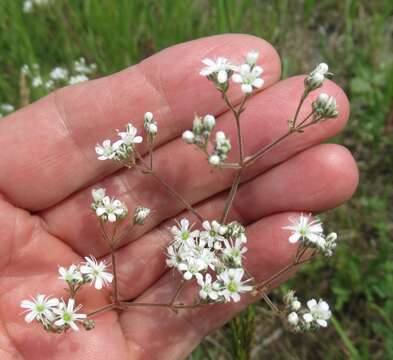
(49, 168)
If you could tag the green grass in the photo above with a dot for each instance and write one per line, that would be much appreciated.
(355, 38)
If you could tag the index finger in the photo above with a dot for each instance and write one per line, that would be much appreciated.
(48, 147)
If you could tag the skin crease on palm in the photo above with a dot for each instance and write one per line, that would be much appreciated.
(49, 168)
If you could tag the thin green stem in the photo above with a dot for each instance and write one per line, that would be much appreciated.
(102, 309)
(231, 197)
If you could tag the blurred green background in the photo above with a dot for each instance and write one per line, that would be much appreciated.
(355, 37)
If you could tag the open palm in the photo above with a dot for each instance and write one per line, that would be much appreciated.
(49, 166)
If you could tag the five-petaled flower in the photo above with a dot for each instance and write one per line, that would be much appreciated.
(67, 315)
(95, 272)
(40, 308)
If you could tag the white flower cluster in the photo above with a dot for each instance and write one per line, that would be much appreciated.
(312, 317)
(212, 256)
(30, 5)
(247, 75)
(200, 135)
(107, 208)
(325, 106)
(5, 109)
(53, 313)
(310, 233)
(59, 76)
(315, 78)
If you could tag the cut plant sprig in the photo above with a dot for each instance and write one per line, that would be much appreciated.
(210, 254)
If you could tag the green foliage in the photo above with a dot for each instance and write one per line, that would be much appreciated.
(355, 38)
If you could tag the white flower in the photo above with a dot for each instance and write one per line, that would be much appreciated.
(183, 233)
(140, 214)
(129, 136)
(252, 57)
(67, 315)
(212, 234)
(59, 73)
(27, 6)
(70, 275)
(41, 308)
(318, 312)
(81, 67)
(111, 209)
(233, 284)
(98, 194)
(105, 151)
(293, 318)
(173, 257)
(7, 108)
(305, 229)
(192, 267)
(208, 289)
(37, 81)
(78, 79)
(218, 69)
(322, 68)
(248, 77)
(188, 137)
(234, 251)
(95, 272)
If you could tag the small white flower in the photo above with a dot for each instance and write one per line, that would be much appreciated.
(81, 67)
(27, 6)
(95, 272)
(188, 137)
(218, 69)
(71, 274)
(77, 79)
(296, 305)
(111, 209)
(208, 289)
(233, 284)
(41, 308)
(234, 251)
(293, 318)
(106, 151)
(173, 257)
(212, 234)
(7, 108)
(322, 68)
(305, 229)
(183, 232)
(248, 77)
(318, 312)
(192, 267)
(59, 73)
(67, 315)
(140, 214)
(252, 57)
(37, 81)
(98, 194)
(129, 137)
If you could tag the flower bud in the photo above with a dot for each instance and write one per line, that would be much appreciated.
(214, 160)
(209, 122)
(325, 106)
(140, 215)
(89, 324)
(98, 194)
(188, 137)
(296, 305)
(293, 318)
(148, 116)
(252, 57)
(314, 81)
(152, 129)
